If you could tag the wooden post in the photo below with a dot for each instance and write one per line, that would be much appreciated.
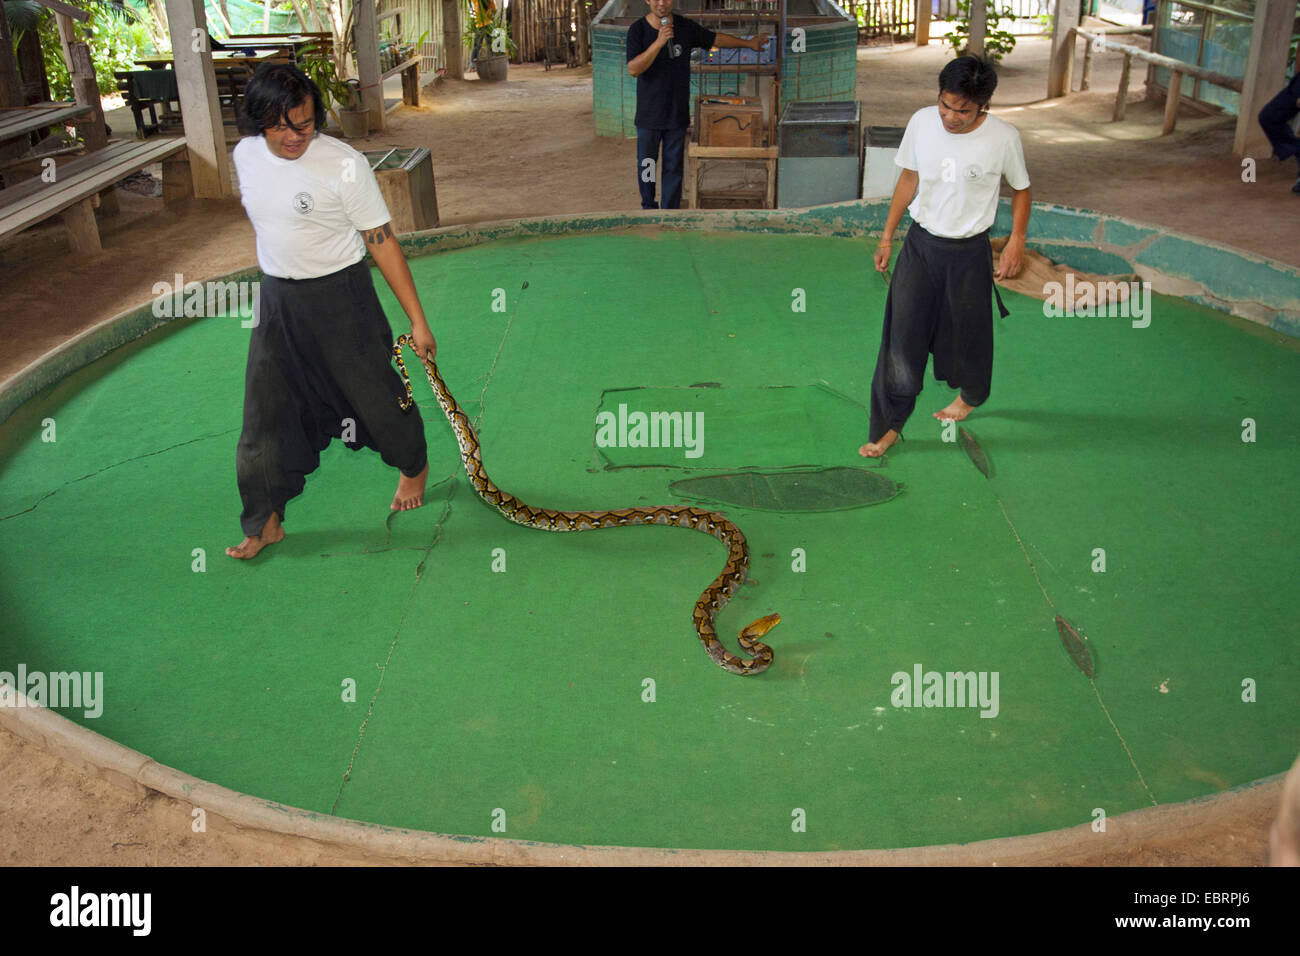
(923, 22)
(584, 33)
(1060, 69)
(31, 64)
(1121, 99)
(11, 85)
(453, 55)
(1085, 81)
(197, 87)
(979, 10)
(85, 89)
(366, 32)
(1172, 96)
(1265, 74)
(177, 182)
(83, 232)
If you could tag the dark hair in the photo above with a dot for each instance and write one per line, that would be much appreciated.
(274, 90)
(971, 77)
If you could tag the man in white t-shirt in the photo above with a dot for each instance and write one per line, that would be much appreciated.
(319, 357)
(954, 156)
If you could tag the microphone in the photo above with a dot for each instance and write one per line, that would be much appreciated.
(673, 48)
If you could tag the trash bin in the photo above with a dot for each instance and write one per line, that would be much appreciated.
(405, 177)
(820, 153)
(879, 173)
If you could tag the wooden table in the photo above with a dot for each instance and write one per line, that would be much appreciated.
(220, 58)
(19, 121)
(295, 43)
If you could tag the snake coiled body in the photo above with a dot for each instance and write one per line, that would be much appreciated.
(710, 522)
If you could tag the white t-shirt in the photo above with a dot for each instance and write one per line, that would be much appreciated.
(307, 212)
(959, 173)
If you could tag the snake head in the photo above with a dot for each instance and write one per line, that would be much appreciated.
(761, 626)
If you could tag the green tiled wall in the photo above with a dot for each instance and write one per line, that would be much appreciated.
(825, 70)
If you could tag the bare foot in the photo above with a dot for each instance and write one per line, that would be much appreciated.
(272, 532)
(877, 448)
(955, 412)
(410, 491)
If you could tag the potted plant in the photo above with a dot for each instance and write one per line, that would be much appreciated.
(488, 36)
(342, 97)
(353, 119)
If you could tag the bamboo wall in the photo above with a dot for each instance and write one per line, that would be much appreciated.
(417, 17)
(883, 17)
(529, 28)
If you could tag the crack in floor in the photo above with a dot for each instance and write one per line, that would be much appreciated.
(125, 461)
(505, 335)
(1120, 737)
(419, 569)
(392, 649)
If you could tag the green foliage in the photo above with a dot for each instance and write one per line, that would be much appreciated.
(23, 15)
(478, 24)
(115, 35)
(997, 43)
(335, 90)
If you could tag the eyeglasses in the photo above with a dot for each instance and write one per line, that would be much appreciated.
(296, 127)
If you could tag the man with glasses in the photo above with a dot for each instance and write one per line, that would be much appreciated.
(319, 358)
(954, 155)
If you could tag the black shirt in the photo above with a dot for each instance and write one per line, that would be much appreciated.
(663, 92)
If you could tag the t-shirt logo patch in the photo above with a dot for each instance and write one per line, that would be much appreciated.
(303, 203)
(972, 172)
(677, 49)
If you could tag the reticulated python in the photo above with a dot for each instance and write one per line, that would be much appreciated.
(710, 522)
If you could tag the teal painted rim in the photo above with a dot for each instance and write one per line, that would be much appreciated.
(1230, 280)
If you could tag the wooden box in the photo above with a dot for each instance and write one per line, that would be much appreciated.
(406, 181)
(730, 121)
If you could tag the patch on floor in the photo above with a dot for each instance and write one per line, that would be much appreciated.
(815, 489)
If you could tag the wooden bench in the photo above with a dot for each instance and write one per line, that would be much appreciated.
(77, 181)
(1095, 40)
(410, 70)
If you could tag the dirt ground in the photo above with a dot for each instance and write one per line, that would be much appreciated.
(527, 147)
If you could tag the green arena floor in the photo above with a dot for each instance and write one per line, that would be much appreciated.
(549, 687)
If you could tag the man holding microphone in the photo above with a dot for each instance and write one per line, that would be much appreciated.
(659, 56)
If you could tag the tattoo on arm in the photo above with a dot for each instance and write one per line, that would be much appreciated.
(376, 237)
